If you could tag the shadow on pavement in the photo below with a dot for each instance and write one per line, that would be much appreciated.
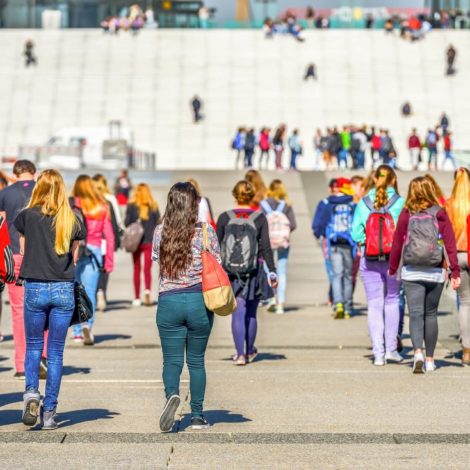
(269, 357)
(8, 398)
(83, 416)
(215, 417)
(7, 338)
(104, 338)
(70, 370)
(118, 305)
(10, 417)
(5, 369)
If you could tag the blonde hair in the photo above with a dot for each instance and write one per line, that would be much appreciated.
(243, 192)
(254, 177)
(437, 189)
(384, 177)
(101, 184)
(92, 203)
(196, 185)
(459, 202)
(143, 199)
(278, 191)
(421, 195)
(50, 195)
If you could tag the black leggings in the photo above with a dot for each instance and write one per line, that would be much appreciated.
(423, 298)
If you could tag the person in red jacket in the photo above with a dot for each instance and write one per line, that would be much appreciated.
(7, 264)
(423, 285)
(414, 146)
(448, 155)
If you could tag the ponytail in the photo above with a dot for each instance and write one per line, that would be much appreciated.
(384, 177)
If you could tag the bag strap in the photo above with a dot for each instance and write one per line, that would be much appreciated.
(369, 203)
(433, 210)
(205, 237)
(391, 201)
(281, 206)
(266, 207)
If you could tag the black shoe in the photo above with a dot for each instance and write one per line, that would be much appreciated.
(19, 376)
(399, 344)
(199, 423)
(167, 418)
(43, 369)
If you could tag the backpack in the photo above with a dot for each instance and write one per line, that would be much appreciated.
(340, 225)
(380, 230)
(250, 142)
(423, 246)
(132, 236)
(239, 247)
(432, 139)
(279, 225)
(356, 145)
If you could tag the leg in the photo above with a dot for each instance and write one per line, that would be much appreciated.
(251, 325)
(239, 326)
(147, 249)
(173, 333)
(433, 295)
(136, 258)
(63, 303)
(415, 293)
(282, 256)
(464, 295)
(374, 287)
(391, 311)
(402, 305)
(347, 278)
(199, 321)
(338, 272)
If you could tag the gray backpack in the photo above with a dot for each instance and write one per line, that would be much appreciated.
(132, 237)
(239, 247)
(423, 246)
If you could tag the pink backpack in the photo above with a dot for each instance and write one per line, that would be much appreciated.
(279, 225)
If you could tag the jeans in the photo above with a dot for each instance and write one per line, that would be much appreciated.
(146, 250)
(184, 324)
(383, 298)
(293, 159)
(52, 303)
(88, 273)
(342, 266)
(245, 326)
(329, 271)
(360, 159)
(432, 156)
(423, 298)
(278, 157)
(282, 255)
(464, 298)
(448, 155)
(249, 158)
(343, 158)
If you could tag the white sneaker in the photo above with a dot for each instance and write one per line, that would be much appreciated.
(393, 356)
(379, 360)
(418, 363)
(136, 303)
(430, 366)
(279, 309)
(100, 300)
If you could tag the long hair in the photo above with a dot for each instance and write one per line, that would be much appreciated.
(459, 202)
(384, 177)
(437, 189)
(179, 227)
(254, 177)
(92, 203)
(421, 195)
(50, 195)
(278, 191)
(102, 184)
(143, 199)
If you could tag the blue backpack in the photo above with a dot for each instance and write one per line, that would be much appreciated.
(339, 226)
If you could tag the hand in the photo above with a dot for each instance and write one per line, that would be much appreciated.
(455, 283)
(273, 280)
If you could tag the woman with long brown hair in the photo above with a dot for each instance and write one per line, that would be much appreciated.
(458, 208)
(254, 177)
(382, 290)
(278, 145)
(184, 323)
(421, 249)
(143, 207)
(93, 209)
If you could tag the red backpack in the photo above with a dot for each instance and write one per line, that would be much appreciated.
(380, 230)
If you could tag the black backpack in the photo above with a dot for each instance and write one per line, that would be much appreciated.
(239, 247)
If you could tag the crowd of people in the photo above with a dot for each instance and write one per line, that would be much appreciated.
(131, 18)
(405, 250)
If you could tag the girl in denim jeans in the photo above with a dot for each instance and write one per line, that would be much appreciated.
(49, 238)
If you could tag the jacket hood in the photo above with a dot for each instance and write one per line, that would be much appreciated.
(340, 199)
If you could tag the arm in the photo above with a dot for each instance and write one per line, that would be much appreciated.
(317, 222)
(156, 244)
(447, 233)
(220, 227)
(291, 216)
(214, 247)
(358, 230)
(75, 248)
(398, 240)
(109, 237)
(132, 215)
(264, 243)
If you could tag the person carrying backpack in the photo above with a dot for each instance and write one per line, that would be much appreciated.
(250, 145)
(374, 228)
(264, 146)
(281, 222)
(458, 208)
(431, 143)
(243, 235)
(335, 227)
(238, 144)
(424, 244)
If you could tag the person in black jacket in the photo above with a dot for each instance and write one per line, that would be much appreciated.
(246, 287)
(143, 207)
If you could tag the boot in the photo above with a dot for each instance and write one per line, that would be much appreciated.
(466, 357)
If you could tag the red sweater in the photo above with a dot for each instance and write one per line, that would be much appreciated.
(446, 231)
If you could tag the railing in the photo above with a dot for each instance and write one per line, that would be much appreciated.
(140, 160)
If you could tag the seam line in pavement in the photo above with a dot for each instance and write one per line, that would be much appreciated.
(232, 438)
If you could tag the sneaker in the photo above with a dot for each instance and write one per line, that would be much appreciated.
(31, 401)
(418, 364)
(272, 305)
(399, 344)
(147, 299)
(252, 356)
(279, 310)
(136, 303)
(379, 360)
(339, 311)
(393, 356)
(43, 369)
(88, 338)
(198, 423)
(430, 366)
(48, 422)
(19, 376)
(240, 360)
(167, 418)
(347, 315)
(78, 339)
(100, 300)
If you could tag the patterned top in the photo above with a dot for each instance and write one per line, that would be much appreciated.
(193, 276)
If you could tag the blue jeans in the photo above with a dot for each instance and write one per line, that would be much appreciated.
(184, 324)
(282, 255)
(342, 266)
(448, 155)
(293, 159)
(343, 158)
(88, 273)
(50, 303)
(360, 159)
